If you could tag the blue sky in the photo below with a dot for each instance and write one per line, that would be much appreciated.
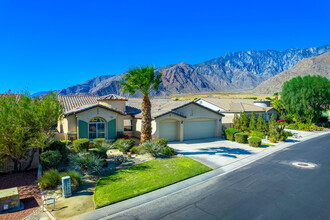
(54, 44)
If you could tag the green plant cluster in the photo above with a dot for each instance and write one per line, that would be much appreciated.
(50, 159)
(101, 149)
(98, 141)
(52, 178)
(241, 138)
(304, 127)
(255, 141)
(135, 150)
(124, 145)
(259, 127)
(80, 145)
(230, 134)
(167, 151)
(87, 162)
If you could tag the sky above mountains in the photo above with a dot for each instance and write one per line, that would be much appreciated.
(55, 44)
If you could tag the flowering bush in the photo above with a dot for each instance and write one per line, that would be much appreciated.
(161, 141)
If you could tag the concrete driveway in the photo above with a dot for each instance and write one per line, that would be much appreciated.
(214, 152)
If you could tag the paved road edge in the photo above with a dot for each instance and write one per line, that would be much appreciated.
(108, 211)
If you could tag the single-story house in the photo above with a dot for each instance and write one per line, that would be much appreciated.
(108, 116)
(229, 107)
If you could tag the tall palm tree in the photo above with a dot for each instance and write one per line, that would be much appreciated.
(142, 79)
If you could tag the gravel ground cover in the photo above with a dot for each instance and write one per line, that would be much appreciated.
(28, 190)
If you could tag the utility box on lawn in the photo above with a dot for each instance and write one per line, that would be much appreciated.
(9, 199)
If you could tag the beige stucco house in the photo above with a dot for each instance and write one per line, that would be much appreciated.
(112, 115)
(229, 107)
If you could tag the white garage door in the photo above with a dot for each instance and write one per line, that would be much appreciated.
(169, 129)
(199, 129)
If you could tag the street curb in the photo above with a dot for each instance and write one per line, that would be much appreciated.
(116, 208)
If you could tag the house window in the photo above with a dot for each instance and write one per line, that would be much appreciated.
(128, 125)
(96, 128)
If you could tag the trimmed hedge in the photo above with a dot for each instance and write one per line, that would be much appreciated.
(167, 151)
(230, 134)
(255, 141)
(50, 159)
(241, 138)
(98, 141)
(81, 145)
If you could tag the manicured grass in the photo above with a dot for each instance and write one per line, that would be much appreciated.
(271, 145)
(145, 177)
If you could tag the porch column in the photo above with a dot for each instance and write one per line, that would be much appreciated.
(181, 133)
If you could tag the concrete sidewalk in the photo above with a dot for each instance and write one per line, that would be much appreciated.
(108, 211)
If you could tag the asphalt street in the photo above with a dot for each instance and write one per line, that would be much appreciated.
(270, 188)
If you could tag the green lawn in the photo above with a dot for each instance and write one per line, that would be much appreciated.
(145, 177)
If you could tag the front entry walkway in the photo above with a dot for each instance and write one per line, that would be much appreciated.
(214, 152)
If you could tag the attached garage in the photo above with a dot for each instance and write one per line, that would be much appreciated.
(169, 129)
(198, 129)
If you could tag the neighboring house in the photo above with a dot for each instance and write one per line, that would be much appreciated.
(229, 107)
(108, 116)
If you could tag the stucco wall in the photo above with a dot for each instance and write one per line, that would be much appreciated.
(192, 112)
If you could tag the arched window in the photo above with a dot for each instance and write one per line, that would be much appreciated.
(96, 128)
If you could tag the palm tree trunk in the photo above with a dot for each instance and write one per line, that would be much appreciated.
(146, 120)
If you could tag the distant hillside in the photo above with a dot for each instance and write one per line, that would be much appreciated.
(237, 71)
(319, 65)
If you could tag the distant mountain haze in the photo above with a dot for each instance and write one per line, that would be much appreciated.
(234, 72)
(319, 65)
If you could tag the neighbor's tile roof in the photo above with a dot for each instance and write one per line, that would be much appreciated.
(112, 97)
(76, 103)
(237, 105)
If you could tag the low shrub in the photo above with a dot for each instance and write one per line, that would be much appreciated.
(135, 150)
(98, 141)
(76, 179)
(50, 159)
(304, 127)
(241, 138)
(257, 134)
(288, 133)
(124, 145)
(167, 151)
(230, 134)
(152, 148)
(255, 141)
(86, 162)
(161, 141)
(50, 179)
(272, 140)
(101, 149)
(57, 145)
(67, 142)
(81, 145)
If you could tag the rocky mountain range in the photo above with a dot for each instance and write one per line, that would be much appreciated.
(319, 65)
(238, 71)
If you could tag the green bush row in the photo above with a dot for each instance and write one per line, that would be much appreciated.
(81, 145)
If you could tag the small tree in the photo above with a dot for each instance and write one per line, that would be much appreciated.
(253, 122)
(310, 94)
(25, 123)
(272, 126)
(244, 122)
(277, 104)
(236, 121)
(261, 124)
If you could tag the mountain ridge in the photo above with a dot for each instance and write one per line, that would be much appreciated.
(235, 71)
